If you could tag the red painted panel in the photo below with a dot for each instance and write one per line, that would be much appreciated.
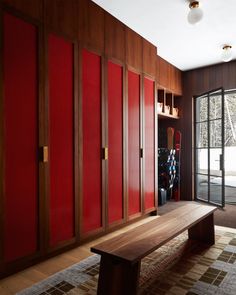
(60, 74)
(149, 102)
(115, 167)
(91, 83)
(133, 143)
(21, 138)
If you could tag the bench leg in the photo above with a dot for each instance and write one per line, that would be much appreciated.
(203, 231)
(118, 278)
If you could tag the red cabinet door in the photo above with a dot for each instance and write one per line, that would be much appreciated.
(20, 138)
(61, 142)
(115, 142)
(149, 144)
(91, 109)
(134, 201)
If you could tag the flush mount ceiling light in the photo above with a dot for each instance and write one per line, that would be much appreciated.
(195, 14)
(227, 53)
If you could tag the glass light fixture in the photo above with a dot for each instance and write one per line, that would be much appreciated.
(227, 53)
(195, 14)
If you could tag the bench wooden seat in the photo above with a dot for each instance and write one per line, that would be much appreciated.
(121, 256)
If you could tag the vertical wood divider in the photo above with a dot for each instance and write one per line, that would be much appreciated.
(76, 142)
(80, 138)
(156, 143)
(43, 137)
(1, 140)
(125, 145)
(104, 130)
(46, 142)
(142, 143)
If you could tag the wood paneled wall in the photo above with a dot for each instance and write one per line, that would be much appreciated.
(134, 49)
(31, 8)
(114, 38)
(168, 76)
(91, 24)
(149, 55)
(62, 16)
(196, 82)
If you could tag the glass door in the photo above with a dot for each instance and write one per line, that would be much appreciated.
(209, 147)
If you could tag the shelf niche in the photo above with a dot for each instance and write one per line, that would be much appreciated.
(167, 104)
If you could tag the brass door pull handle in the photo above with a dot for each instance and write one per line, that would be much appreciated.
(43, 154)
(105, 153)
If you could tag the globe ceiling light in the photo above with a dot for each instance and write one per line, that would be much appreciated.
(195, 14)
(227, 53)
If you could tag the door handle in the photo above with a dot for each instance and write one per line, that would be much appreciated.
(43, 154)
(141, 153)
(105, 153)
(221, 162)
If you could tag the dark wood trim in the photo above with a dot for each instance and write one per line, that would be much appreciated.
(104, 142)
(33, 9)
(150, 210)
(2, 148)
(80, 138)
(134, 216)
(115, 224)
(91, 49)
(26, 262)
(62, 244)
(62, 16)
(125, 143)
(18, 264)
(42, 106)
(105, 129)
(114, 37)
(92, 234)
(115, 60)
(156, 144)
(134, 70)
(76, 142)
(60, 35)
(46, 142)
(142, 143)
(23, 16)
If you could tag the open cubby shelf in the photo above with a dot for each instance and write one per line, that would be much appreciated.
(168, 104)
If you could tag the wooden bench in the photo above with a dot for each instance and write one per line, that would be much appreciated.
(121, 256)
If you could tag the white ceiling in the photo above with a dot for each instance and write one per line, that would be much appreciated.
(164, 23)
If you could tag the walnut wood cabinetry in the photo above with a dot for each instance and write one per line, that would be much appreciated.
(168, 77)
(68, 60)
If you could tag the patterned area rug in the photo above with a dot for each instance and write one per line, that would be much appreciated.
(179, 267)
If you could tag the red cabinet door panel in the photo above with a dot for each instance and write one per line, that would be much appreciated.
(149, 129)
(91, 100)
(134, 204)
(115, 142)
(20, 138)
(60, 77)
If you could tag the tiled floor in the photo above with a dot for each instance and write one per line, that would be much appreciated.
(179, 267)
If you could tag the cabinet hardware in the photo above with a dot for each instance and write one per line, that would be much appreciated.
(43, 154)
(141, 153)
(105, 153)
